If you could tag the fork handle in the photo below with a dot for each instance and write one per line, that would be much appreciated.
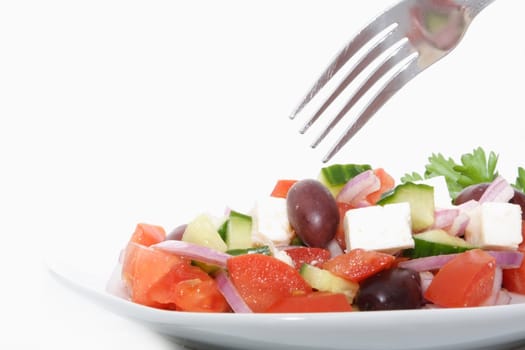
(474, 6)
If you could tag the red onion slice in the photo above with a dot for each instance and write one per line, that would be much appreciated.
(496, 288)
(194, 251)
(230, 293)
(357, 188)
(499, 190)
(506, 259)
(444, 217)
(427, 263)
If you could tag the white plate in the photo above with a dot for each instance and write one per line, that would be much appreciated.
(496, 327)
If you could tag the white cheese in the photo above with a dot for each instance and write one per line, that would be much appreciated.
(383, 228)
(441, 194)
(495, 225)
(271, 221)
(284, 257)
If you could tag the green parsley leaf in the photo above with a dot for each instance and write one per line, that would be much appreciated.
(520, 180)
(474, 168)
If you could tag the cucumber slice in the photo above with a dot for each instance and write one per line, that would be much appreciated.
(265, 250)
(335, 176)
(239, 231)
(437, 242)
(325, 281)
(203, 231)
(421, 200)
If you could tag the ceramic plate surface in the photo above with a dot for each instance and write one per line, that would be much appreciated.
(496, 327)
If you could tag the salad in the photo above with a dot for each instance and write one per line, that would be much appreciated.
(352, 239)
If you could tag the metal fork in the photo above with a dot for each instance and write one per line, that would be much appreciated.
(413, 35)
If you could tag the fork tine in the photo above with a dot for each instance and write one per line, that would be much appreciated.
(351, 48)
(391, 36)
(403, 76)
(403, 51)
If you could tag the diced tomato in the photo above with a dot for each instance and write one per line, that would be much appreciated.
(312, 302)
(262, 280)
(340, 233)
(464, 281)
(147, 235)
(199, 296)
(387, 183)
(152, 278)
(308, 255)
(282, 187)
(358, 264)
(144, 267)
(514, 279)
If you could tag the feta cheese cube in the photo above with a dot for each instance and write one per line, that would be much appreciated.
(270, 217)
(495, 225)
(383, 228)
(441, 194)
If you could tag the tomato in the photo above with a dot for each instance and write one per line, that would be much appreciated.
(340, 233)
(199, 296)
(147, 235)
(282, 187)
(312, 302)
(262, 280)
(387, 183)
(152, 278)
(143, 267)
(464, 281)
(514, 279)
(308, 255)
(358, 264)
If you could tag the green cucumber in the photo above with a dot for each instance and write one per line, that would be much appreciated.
(222, 229)
(203, 231)
(437, 242)
(264, 249)
(239, 231)
(325, 281)
(421, 200)
(335, 176)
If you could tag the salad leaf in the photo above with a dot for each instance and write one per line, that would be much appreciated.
(520, 180)
(474, 168)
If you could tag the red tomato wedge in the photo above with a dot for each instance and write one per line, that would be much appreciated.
(514, 279)
(464, 281)
(282, 187)
(308, 255)
(340, 233)
(152, 278)
(358, 264)
(147, 235)
(387, 183)
(262, 280)
(143, 268)
(312, 302)
(199, 296)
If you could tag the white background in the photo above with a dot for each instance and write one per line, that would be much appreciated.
(119, 112)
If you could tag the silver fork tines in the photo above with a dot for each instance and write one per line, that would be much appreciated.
(411, 35)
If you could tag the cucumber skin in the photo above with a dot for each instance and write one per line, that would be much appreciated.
(437, 242)
(335, 176)
(238, 231)
(325, 281)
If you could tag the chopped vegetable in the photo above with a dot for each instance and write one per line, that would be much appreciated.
(312, 302)
(358, 264)
(282, 187)
(474, 168)
(354, 240)
(465, 281)
(263, 280)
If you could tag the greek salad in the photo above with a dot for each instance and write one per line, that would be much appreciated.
(350, 239)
